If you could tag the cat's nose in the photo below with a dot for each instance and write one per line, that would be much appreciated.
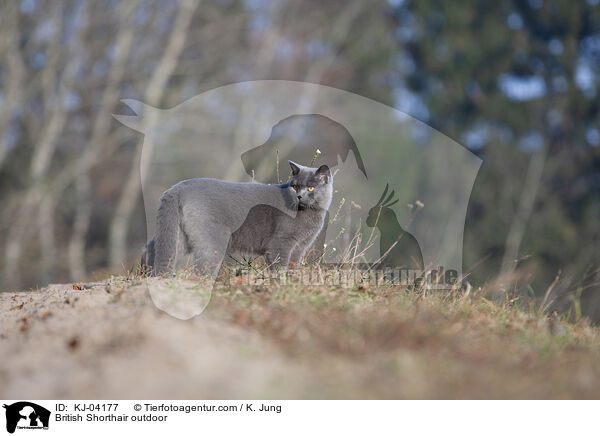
(299, 197)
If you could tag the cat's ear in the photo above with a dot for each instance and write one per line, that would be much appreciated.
(323, 173)
(295, 168)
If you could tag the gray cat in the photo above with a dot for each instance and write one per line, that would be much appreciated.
(210, 218)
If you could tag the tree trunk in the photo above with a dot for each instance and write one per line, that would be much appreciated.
(120, 223)
(97, 142)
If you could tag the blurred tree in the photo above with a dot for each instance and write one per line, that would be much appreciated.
(516, 82)
(69, 173)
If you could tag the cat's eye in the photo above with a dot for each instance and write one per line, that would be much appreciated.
(310, 188)
(295, 187)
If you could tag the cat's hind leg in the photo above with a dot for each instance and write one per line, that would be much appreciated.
(167, 233)
(208, 247)
(208, 258)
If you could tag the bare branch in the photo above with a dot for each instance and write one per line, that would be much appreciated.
(97, 142)
(153, 95)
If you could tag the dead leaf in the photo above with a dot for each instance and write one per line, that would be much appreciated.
(45, 314)
(77, 287)
(24, 324)
(118, 295)
(363, 286)
(241, 318)
(19, 307)
(73, 343)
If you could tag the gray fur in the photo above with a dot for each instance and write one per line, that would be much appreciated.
(148, 256)
(210, 218)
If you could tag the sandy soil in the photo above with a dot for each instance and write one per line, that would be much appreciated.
(108, 340)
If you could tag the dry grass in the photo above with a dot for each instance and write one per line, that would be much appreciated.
(388, 342)
(292, 342)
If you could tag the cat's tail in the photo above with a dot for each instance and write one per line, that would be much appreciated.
(167, 232)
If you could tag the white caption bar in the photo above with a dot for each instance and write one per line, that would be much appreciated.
(297, 417)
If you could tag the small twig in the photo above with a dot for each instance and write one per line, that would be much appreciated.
(315, 156)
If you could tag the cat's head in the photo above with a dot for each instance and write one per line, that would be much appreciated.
(312, 187)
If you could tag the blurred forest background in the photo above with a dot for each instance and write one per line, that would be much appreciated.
(516, 82)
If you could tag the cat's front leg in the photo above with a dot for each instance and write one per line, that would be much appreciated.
(301, 249)
(278, 258)
(296, 257)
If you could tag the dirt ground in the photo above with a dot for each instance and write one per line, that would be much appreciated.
(108, 340)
